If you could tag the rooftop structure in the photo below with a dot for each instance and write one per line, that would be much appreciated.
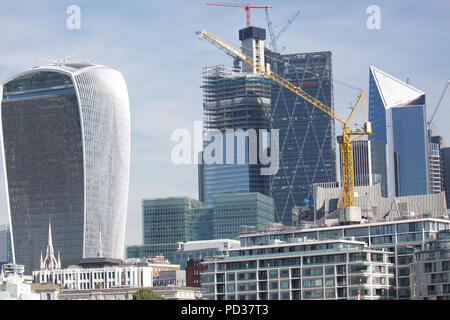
(375, 207)
(202, 249)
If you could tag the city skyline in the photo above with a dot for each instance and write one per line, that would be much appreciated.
(142, 40)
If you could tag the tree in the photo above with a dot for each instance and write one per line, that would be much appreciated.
(146, 294)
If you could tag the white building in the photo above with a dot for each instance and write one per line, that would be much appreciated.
(94, 273)
(77, 278)
(12, 285)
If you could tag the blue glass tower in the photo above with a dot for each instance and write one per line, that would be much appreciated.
(307, 134)
(398, 115)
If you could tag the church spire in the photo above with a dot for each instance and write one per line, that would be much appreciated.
(49, 262)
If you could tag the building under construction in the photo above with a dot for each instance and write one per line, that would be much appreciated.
(236, 100)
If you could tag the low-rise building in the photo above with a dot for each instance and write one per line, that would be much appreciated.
(201, 249)
(13, 285)
(301, 269)
(170, 278)
(78, 278)
(400, 237)
(169, 293)
(194, 269)
(430, 269)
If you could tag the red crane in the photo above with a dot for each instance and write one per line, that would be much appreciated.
(239, 5)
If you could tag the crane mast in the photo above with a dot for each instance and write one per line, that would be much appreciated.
(348, 135)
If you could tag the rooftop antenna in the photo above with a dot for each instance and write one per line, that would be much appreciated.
(63, 60)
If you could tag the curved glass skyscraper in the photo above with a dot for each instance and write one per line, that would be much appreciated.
(66, 149)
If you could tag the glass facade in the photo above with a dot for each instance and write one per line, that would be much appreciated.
(5, 245)
(369, 164)
(411, 145)
(430, 269)
(313, 270)
(307, 134)
(231, 211)
(167, 221)
(397, 113)
(164, 219)
(234, 101)
(66, 145)
(400, 238)
(445, 166)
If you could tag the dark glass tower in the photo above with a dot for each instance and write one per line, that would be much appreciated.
(307, 134)
(66, 144)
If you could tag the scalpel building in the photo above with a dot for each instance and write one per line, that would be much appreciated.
(66, 148)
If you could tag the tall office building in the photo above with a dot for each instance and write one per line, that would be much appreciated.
(66, 144)
(445, 167)
(434, 159)
(232, 213)
(369, 164)
(169, 221)
(436, 143)
(397, 112)
(5, 245)
(236, 100)
(307, 134)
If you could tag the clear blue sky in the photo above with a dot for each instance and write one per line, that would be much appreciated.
(153, 44)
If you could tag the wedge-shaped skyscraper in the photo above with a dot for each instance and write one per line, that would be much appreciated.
(398, 115)
(66, 147)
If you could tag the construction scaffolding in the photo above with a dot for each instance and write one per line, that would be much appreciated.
(235, 100)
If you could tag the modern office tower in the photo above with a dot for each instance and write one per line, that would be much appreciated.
(199, 223)
(445, 167)
(299, 270)
(169, 221)
(66, 144)
(399, 237)
(232, 213)
(430, 269)
(5, 245)
(234, 101)
(239, 101)
(369, 164)
(307, 134)
(397, 112)
(164, 224)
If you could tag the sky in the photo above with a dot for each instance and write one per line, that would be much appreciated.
(154, 45)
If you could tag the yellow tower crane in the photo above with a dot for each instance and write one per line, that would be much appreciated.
(348, 135)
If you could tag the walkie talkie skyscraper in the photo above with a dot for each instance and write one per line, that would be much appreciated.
(66, 148)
